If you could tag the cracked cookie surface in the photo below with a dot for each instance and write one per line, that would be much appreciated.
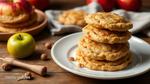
(103, 65)
(102, 51)
(109, 21)
(106, 36)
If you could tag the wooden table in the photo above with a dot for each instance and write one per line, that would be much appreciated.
(56, 74)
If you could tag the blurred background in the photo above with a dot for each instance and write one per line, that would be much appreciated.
(138, 8)
(67, 4)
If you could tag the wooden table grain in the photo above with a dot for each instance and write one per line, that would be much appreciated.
(58, 75)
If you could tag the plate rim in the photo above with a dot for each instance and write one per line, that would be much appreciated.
(87, 75)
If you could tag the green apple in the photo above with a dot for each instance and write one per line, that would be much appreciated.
(21, 45)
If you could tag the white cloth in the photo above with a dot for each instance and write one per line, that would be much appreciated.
(56, 28)
(140, 20)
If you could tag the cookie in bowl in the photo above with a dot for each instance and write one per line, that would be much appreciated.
(29, 22)
(20, 16)
(34, 20)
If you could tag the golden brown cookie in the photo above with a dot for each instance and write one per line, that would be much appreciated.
(106, 36)
(38, 21)
(109, 21)
(27, 23)
(14, 19)
(73, 17)
(103, 65)
(102, 51)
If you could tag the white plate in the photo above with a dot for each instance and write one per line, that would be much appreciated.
(66, 46)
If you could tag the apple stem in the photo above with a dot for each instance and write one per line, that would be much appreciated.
(20, 37)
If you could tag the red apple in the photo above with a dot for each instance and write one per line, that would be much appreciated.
(107, 5)
(40, 4)
(131, 5)
(14, 7)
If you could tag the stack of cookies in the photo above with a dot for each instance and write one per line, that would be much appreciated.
(104, 45)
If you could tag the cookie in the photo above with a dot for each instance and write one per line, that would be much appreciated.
(106, 36)
(14, 19)
(103, 65)
(108, 20)
(102, 51)
(27, 23)
(38, 21)
(73, 17)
